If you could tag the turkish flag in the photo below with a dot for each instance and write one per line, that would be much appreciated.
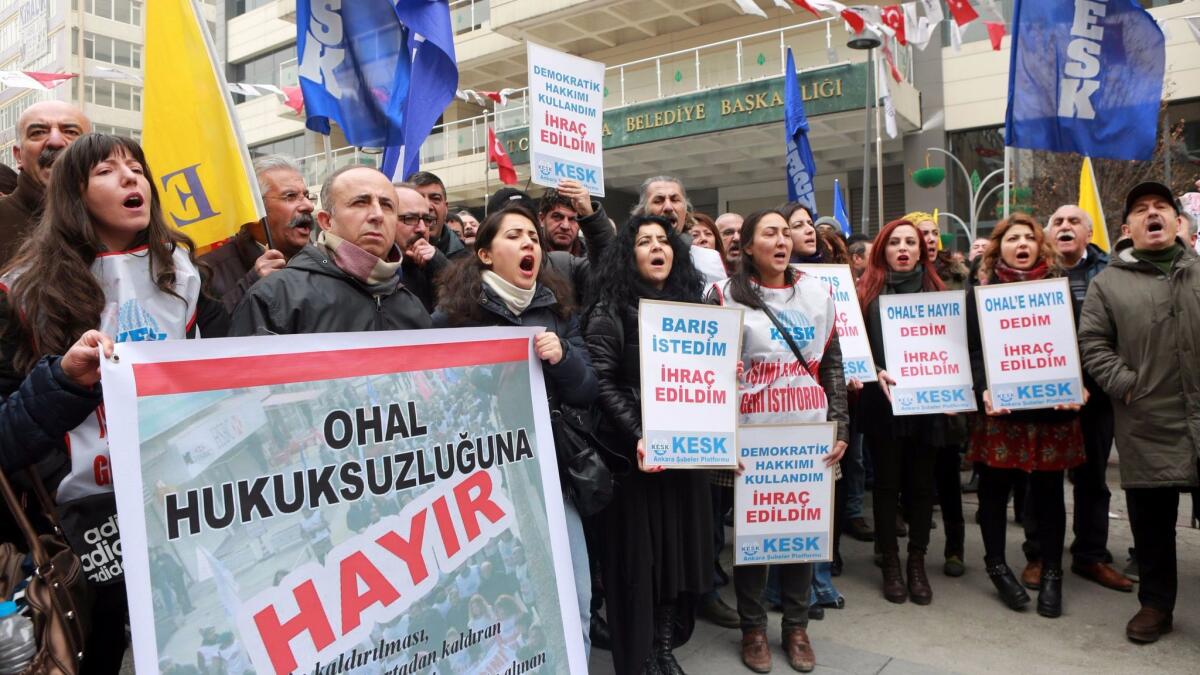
(294, 99)
(996, 32)
(893, 17)
(496, 153)
(854, 19)
(804, 5)
(963, 12)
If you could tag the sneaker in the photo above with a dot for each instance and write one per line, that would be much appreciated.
(1131, 569)
(954, 566)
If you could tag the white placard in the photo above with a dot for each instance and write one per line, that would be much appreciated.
(857, 360)
(689, 356)
(566, 118)
(925, 347)
(1029, 344)
(783, 501)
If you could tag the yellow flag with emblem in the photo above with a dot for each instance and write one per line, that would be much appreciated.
(1089, 203)
(189, 133)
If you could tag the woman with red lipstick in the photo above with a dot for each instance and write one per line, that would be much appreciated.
(1034, 445)
(102, 262)
(778, 300)
(658, 538)
(506, 284)
(904, 448)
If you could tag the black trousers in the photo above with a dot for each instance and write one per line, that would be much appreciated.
(902, 463)
(949, 492)
(1152, 514)
(106, 643)
(795, 585)
(1048, 509)
(1092, 496)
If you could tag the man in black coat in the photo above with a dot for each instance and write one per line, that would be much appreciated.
(347, 280)
(266, 245)
(442, 237)
(43, 131)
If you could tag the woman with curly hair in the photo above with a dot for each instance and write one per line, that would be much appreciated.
(658, 547)
(1033, 445)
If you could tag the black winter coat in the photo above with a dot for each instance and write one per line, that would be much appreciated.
(36, 416)
(571, 380)
(231, 268)
(598, 234)
(313, 295)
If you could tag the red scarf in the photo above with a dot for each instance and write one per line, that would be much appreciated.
(1006, 274)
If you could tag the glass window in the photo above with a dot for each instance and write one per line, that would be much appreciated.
(104, 95)
(123, 98)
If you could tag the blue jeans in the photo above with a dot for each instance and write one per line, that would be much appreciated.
(823, 592)
(582, 571)
(855, 475)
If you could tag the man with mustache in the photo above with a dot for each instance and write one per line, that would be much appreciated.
(665, 196)
(243, 259)
(1070, 230)
(43, 131)
(1139, 332)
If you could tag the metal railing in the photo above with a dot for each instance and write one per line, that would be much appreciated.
(316, 167)
(738, 60)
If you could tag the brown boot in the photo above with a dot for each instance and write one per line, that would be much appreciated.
(1148, 625)
(918, 584)
(1031, 578)
(755, 652)
(893, 581)
(798, 649)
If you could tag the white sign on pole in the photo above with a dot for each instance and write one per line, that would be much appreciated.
(925, 347)
(1029, 344)
(857, 360)
(689, 356)
(566, 118)
(783, 501)
(35, 31)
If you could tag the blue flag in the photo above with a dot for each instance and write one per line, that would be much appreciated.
(353, 69)
(839, 208)
(801, 168)
(1085, 77)
(434, 78)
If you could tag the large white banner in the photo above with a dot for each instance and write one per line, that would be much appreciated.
(566, 118)
(783, 500)
(689, 356)
(925, 346)
(857, 360)
(1029, 344)
(398, 509)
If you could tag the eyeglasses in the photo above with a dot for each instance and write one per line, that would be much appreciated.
(412, 219)
(292, 196)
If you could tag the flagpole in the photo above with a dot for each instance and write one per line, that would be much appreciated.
(878, 139)
(1007, 182)
(487, 165)
(866, 179)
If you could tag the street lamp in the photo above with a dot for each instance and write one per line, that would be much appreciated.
(868, 41)
(977, 194)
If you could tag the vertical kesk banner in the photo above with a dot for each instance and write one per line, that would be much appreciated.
(689, 356)
(857, 360)
(1029, 344)
(566, 118)
(925, 347)
(350, 502)
(783, 501)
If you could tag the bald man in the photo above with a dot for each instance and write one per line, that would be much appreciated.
(43, 131)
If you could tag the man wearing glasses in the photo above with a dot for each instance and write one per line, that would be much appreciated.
(264, 246)
(422, 260)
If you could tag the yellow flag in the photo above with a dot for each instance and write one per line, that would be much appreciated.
(1089, 202)
(189, 133)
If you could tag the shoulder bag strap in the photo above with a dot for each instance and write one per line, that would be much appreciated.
(788, 338)
(40, 557)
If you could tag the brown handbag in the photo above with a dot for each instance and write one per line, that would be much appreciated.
(58, 592)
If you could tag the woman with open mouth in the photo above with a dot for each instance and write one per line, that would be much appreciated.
(903, 449)
(1037, 446)
(658, 536)
(505, 284)
(807, 246)
(788, 320)
(101, 267)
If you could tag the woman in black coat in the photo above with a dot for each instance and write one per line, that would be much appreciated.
(506, 284)
(658, 549)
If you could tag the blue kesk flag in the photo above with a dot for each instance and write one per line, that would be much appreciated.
(1085, 77)
(801, 168)
(383, 71)
(839, 208)
(433, 83)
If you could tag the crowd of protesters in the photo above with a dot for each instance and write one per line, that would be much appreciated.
(88, 261)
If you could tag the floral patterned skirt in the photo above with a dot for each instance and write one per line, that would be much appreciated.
(1028, 446)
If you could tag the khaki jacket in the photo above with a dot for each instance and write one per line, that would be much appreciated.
(1139, 337)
